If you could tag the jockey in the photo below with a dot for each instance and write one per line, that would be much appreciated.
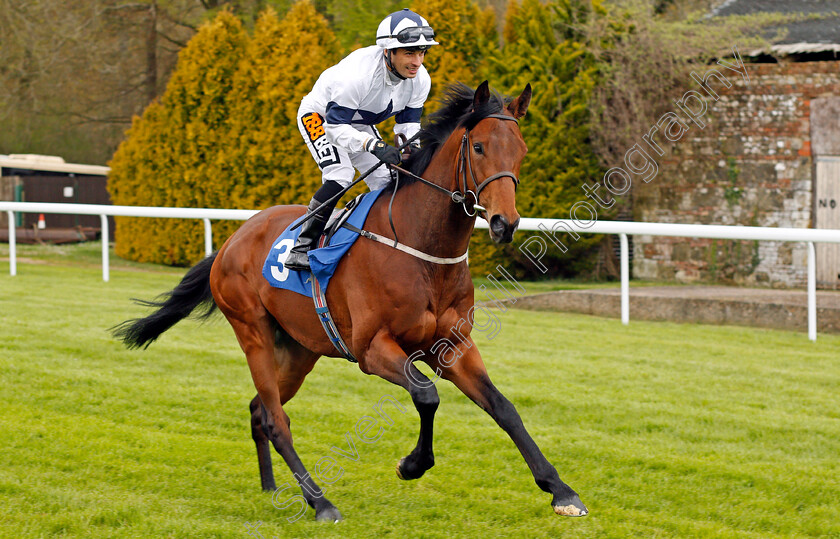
(337, 118)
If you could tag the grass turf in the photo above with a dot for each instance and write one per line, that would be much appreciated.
(664, 429)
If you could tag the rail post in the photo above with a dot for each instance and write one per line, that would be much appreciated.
(208, 237)
(12, 244)
(812, 292)
(106, 273)
(625, 279)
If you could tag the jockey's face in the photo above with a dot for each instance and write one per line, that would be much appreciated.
(407, 62)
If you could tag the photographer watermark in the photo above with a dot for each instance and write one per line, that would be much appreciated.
(638, 163)
(368, 429)
(445, 349)
(327, 469)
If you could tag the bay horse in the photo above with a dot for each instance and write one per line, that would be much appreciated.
(388, 305)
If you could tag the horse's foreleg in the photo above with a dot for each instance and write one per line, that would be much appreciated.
(276, 380)
(470, 376)
(386, 359)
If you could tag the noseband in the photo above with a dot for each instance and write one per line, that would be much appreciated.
(465, 171)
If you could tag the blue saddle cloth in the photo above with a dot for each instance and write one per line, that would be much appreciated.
(323, 260)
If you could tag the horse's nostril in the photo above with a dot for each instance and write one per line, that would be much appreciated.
(498, 224)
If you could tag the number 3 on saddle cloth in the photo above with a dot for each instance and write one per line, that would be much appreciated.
(323, 261)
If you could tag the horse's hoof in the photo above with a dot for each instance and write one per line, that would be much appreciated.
(570, 507)
(407, 470)
(328, 514)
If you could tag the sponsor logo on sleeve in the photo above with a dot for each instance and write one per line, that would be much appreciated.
(327, 154)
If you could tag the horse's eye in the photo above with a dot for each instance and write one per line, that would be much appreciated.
(478, 147)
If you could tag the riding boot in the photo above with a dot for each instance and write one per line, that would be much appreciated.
(310, 233)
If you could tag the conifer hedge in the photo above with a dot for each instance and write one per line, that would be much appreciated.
(466, 34)
(224, 133)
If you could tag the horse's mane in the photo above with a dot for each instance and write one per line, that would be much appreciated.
(456, 111)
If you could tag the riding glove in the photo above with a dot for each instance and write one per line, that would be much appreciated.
(385, 152)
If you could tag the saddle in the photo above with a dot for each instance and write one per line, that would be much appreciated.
(338, 218)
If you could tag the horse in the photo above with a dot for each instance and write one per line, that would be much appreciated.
(390, 306)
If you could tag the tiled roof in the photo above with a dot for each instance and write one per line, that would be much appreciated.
(805, 33)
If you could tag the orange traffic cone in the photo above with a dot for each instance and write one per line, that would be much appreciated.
(42, 223)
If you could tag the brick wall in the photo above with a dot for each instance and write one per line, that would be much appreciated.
(751, 164)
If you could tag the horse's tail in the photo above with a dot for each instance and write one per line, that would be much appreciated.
(192, 292)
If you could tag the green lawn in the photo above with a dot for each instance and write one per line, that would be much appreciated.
(665, 430)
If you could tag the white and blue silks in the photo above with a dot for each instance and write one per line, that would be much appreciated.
(352, 97)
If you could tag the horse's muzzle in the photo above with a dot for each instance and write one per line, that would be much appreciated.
(501, 231)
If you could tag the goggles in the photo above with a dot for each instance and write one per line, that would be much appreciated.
(414, 33)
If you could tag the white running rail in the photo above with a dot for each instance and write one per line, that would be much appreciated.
(622, 228)
(104, 211)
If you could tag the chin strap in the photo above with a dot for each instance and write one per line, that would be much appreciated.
(391, 66)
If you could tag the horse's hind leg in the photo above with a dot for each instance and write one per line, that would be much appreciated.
(470, 376)
(258, 433)
(386, 359)
(277, 375)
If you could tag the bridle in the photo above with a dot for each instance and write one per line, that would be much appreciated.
(465, 165)
(465, 171)
(459, 196)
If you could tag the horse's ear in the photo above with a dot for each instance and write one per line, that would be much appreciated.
(482, 94)
(519, 106)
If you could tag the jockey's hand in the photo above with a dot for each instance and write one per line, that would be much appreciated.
(386, 153)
